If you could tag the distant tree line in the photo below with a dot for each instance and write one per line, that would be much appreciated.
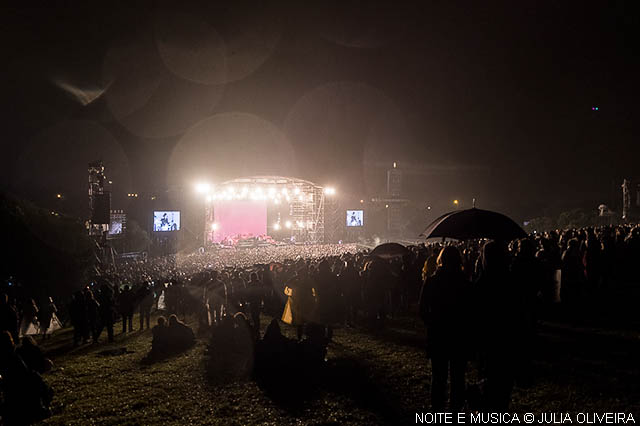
(576, 218)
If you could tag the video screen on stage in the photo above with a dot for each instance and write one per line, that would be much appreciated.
(355, 217)
(166, 221)
(117, 224)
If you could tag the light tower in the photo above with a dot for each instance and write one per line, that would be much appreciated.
(99, 200)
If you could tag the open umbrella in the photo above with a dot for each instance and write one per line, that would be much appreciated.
(474, 223)
(388, 250)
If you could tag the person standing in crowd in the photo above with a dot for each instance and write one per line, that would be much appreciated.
(444, 308)
(47, 311)
(326, 285)
(301, 302)
(216, 297)
(93, 314)
(499, 322)
(379, 280)
(29, 315)
(145, 296)
(529, 277)
(125, 304)
(572, 274)
(78, 316)
(254, 298)
(105, 299)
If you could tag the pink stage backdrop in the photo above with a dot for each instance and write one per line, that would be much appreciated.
(238, 217)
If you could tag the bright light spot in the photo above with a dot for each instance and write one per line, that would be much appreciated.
(428, 207)
(276, 226)
(300, 224)
(287, 224)
(214, 226)
(329, 191)
(296, 190)
(202, 187)
(395, 164)
(301, 197)
(208, 198)
(58, 195)
(456, 202)
(361, 201)
(386, 206)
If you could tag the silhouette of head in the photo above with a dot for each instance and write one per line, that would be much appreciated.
(173, 319)
(494, 256)
(161, 321)
(449, 259)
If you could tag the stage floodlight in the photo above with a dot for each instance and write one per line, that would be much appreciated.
(202, 187)
(214, 226)
(329, 191)
(296, 190)
(276, 226)
(287, 224)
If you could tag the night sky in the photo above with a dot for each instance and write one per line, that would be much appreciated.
(472, 99)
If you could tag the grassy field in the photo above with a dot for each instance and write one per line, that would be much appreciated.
(370, 378)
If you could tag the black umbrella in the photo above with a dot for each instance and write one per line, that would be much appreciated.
(474, 223)
(388, 250)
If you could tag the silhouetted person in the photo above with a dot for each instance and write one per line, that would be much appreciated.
(105, 299)
(254, 297)
(444, 310)
(29, 315)
(146, 303)
(78, 316)
(125, 304)
(572, 274)
(93, 314)
(500, 323)
(47, 311)
(160, 339)
(180, 335)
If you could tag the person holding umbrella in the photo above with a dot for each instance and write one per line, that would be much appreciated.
(444, 308)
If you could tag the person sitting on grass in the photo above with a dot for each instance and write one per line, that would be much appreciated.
(179, 335)
(159, 342)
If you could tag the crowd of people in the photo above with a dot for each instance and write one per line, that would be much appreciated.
(463, 292)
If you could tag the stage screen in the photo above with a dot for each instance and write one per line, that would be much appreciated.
(355, 217)
(164, 221)
(239, 218)
(117, 225)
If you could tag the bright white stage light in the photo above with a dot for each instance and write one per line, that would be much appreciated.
(202, 187)
(208, 198)
(300, 224)
(329, 191)
(287, 224)
(276, 226)
(214, 226)
(301, 197)
(296, 190)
